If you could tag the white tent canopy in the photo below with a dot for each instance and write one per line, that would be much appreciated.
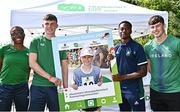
(92, 15)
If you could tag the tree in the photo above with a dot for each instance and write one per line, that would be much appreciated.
(173, 8)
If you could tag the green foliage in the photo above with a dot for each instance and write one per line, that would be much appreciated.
(143, 40)
(172, 6)
(174, 25)
(131, 1)
(116, 41)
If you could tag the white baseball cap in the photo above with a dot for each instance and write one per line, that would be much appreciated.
(86, 51)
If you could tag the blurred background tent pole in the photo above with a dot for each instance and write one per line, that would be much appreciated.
(87, 29)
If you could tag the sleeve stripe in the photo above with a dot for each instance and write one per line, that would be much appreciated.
(142, 63)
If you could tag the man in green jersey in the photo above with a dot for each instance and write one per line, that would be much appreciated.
(43, 89)
(163, 54)
(14, 72)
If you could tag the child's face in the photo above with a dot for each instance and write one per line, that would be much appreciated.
(87, 60)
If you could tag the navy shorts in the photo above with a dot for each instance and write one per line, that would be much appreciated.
(132, 101)
(19, 94)
(40, 96)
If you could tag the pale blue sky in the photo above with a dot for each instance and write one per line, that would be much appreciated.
(6, 6)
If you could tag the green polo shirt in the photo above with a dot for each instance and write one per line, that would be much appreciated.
(43, 48)
(15, 66)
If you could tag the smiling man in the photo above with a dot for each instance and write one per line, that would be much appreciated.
(132, 66)
(163, 55)
(44, 85)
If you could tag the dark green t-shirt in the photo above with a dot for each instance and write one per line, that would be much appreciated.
(43, 48)
(15, 66)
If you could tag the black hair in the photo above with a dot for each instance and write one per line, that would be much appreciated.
(19, 29)
(126, 22)
(156, 19)
(106, 34)
(50, 17)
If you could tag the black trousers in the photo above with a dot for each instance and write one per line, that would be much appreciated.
(164, 101)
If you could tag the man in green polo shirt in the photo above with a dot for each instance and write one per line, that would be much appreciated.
(43, 89)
